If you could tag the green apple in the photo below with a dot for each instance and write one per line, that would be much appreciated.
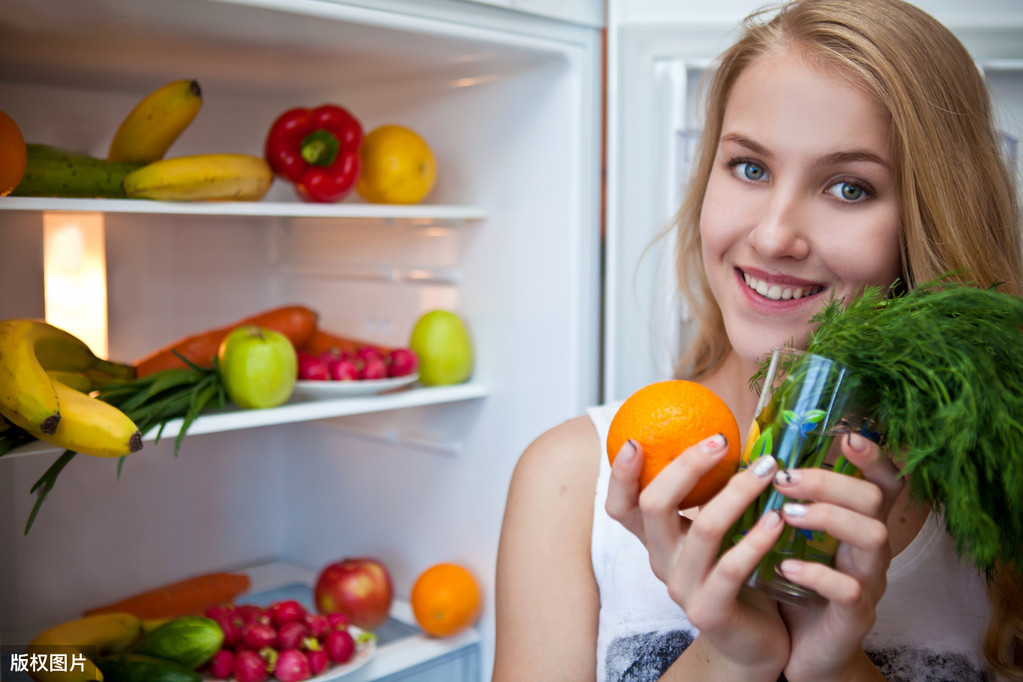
(258, 367)
(442, 342)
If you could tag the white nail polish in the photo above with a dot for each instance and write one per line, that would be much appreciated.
(794, 509)
(763, 466)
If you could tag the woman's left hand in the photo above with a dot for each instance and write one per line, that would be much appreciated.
(827, 637)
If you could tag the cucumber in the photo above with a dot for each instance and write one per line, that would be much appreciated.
(138, 668)
(187, 640)
(54, 172)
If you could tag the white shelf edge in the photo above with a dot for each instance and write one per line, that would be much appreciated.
(269, 209)
(297, 410)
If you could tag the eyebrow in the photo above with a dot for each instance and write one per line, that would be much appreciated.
(825, 160)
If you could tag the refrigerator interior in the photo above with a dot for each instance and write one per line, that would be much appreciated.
(509, 238)
(658, 52)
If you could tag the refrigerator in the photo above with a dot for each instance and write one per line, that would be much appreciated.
(562, 131)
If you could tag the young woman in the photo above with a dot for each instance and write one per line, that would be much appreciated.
(847, 143)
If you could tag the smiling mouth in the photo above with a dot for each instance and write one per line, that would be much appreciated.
(778, 292)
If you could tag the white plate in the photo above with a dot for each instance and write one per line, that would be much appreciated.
(364, 652)
(348, 389)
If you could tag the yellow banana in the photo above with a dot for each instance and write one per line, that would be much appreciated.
(149, 130)
(90, 426)
(201, 177)
(27, 396)
(76, 380)
(28, 348)
(108, 633)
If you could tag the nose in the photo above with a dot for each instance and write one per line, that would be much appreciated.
(781, 230)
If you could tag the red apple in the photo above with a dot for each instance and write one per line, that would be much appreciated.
(360, 588)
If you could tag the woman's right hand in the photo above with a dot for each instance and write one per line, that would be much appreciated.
(743, 635)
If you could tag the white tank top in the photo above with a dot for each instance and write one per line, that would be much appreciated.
(930, 622)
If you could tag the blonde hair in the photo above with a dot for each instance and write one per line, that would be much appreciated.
(958, 207)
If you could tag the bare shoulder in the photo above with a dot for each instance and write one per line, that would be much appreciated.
(547, 597)
(566, 455)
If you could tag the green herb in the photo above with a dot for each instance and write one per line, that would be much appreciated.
(151, 402)
(943, 365)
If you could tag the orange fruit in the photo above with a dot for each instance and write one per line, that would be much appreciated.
(445, 600)
(13, 154)
(398, 166)
(668, 417)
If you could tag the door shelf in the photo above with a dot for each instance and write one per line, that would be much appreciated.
(267, 209)
(295, 410)
(404, 652)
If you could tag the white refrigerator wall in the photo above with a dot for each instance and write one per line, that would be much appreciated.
(658, 51)
(510, 104)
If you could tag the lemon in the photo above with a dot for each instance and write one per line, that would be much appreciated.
(397, 166)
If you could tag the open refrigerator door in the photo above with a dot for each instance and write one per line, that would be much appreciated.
(508, 238)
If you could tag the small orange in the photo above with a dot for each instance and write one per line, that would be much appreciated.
(666, 418)
(445, 600)
(13, 155)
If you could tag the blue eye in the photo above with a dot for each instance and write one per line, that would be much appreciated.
(847, 191)
(750, 171)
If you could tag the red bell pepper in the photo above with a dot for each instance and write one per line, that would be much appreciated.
(317, 149)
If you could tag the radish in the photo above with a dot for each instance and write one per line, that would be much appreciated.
(318, 660)
(339, 645)
(289, 611)
(290, 635)
(249, 667)
(292, 666)
(258, 635)
(222, 665)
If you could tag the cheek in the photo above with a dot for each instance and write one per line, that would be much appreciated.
(873, 258)
(720, 219)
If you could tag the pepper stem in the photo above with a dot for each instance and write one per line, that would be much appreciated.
(320, 147)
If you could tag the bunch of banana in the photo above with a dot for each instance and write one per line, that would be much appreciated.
(157, 120)
(108, 633)
(201, 177)
(37, 363)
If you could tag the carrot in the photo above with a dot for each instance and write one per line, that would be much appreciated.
(294, 321)
(191, 596)
(322, 341)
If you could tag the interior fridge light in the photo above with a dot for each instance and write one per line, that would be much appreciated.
(75, 276)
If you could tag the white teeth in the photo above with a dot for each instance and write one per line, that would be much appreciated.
(776, 292)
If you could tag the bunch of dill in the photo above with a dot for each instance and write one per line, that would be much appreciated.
(943, 367)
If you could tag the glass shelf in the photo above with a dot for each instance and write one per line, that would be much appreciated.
(270, 209)
(295, 410)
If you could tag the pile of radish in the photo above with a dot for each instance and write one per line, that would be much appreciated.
(366, 362)
(283, 640)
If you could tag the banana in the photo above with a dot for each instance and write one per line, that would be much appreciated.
(76, 380)
(201, 177)
(90, 426)
(28, 348)
(108, 633)
(56, 349)
(54, 172)
(27, 396)
(149, 130)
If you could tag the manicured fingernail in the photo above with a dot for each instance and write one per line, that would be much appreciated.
(794, 509)
(715, 444)
(787, 477)
(857, 444)
(791, 566)
(771, 519)
(763, 466)
(628, 451)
